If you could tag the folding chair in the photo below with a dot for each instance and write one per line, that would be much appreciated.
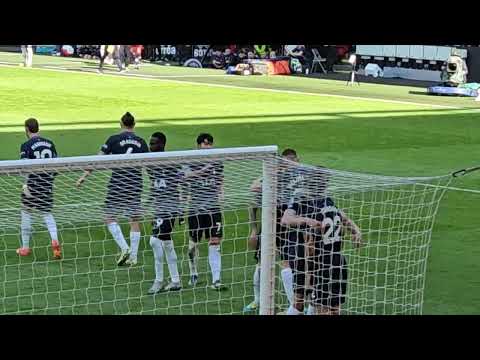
(317, 60)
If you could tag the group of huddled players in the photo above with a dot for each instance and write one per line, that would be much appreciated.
(309, 236)
(310, 227)
(123, 198)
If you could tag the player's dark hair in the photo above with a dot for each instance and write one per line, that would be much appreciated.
(161, 137)
(289, 152)
(204, 138)
(32, 125)
(128, 120)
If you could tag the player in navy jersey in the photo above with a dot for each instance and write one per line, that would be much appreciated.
(322, 227)
(205, 183)
(38, 189)
(165, 189)
(124, 189)
(287, 177)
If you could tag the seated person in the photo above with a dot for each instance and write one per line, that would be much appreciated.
(303, 55)
(242, 56)
(230, 58)
(329, 52)
(218, 60)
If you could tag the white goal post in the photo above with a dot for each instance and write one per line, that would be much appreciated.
(80, 210)
(379, 227)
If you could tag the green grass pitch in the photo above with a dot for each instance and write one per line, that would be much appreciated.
(389, 130)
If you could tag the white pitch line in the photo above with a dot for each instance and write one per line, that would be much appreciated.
(295, 92)
(181, 76)
(54, 67)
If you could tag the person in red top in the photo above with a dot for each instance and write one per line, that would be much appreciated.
(136, 51)
(342, 50)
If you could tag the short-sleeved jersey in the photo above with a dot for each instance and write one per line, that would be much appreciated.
(39, 148)
(125, 143)
(325, 211)
(205, 188)
(165, 185)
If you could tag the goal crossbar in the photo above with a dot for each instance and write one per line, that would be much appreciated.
(126, 160)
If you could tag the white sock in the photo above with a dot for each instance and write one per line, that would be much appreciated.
(134, 243)
(157, 248)
(256, 284)
(26, 228)
(287, 279)
(293, 311)
(51, 226)
(193, 257)
(117, 234)
(171, 256)
(215, 261)
(310, 310)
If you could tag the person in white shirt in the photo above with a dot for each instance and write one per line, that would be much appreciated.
(27, 53)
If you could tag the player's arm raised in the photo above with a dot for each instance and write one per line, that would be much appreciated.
(354, 229)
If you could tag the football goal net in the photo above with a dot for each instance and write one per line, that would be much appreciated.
(218, 231)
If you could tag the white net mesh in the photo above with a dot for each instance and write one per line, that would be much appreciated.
(369, 252)
(198, 196)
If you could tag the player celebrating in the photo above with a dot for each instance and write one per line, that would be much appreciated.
(124, 189)
(166, 181)
(205, 216)
(38, 189)
(322, 225)
(287, 177)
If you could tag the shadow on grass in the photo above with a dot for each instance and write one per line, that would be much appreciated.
(345, 114)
